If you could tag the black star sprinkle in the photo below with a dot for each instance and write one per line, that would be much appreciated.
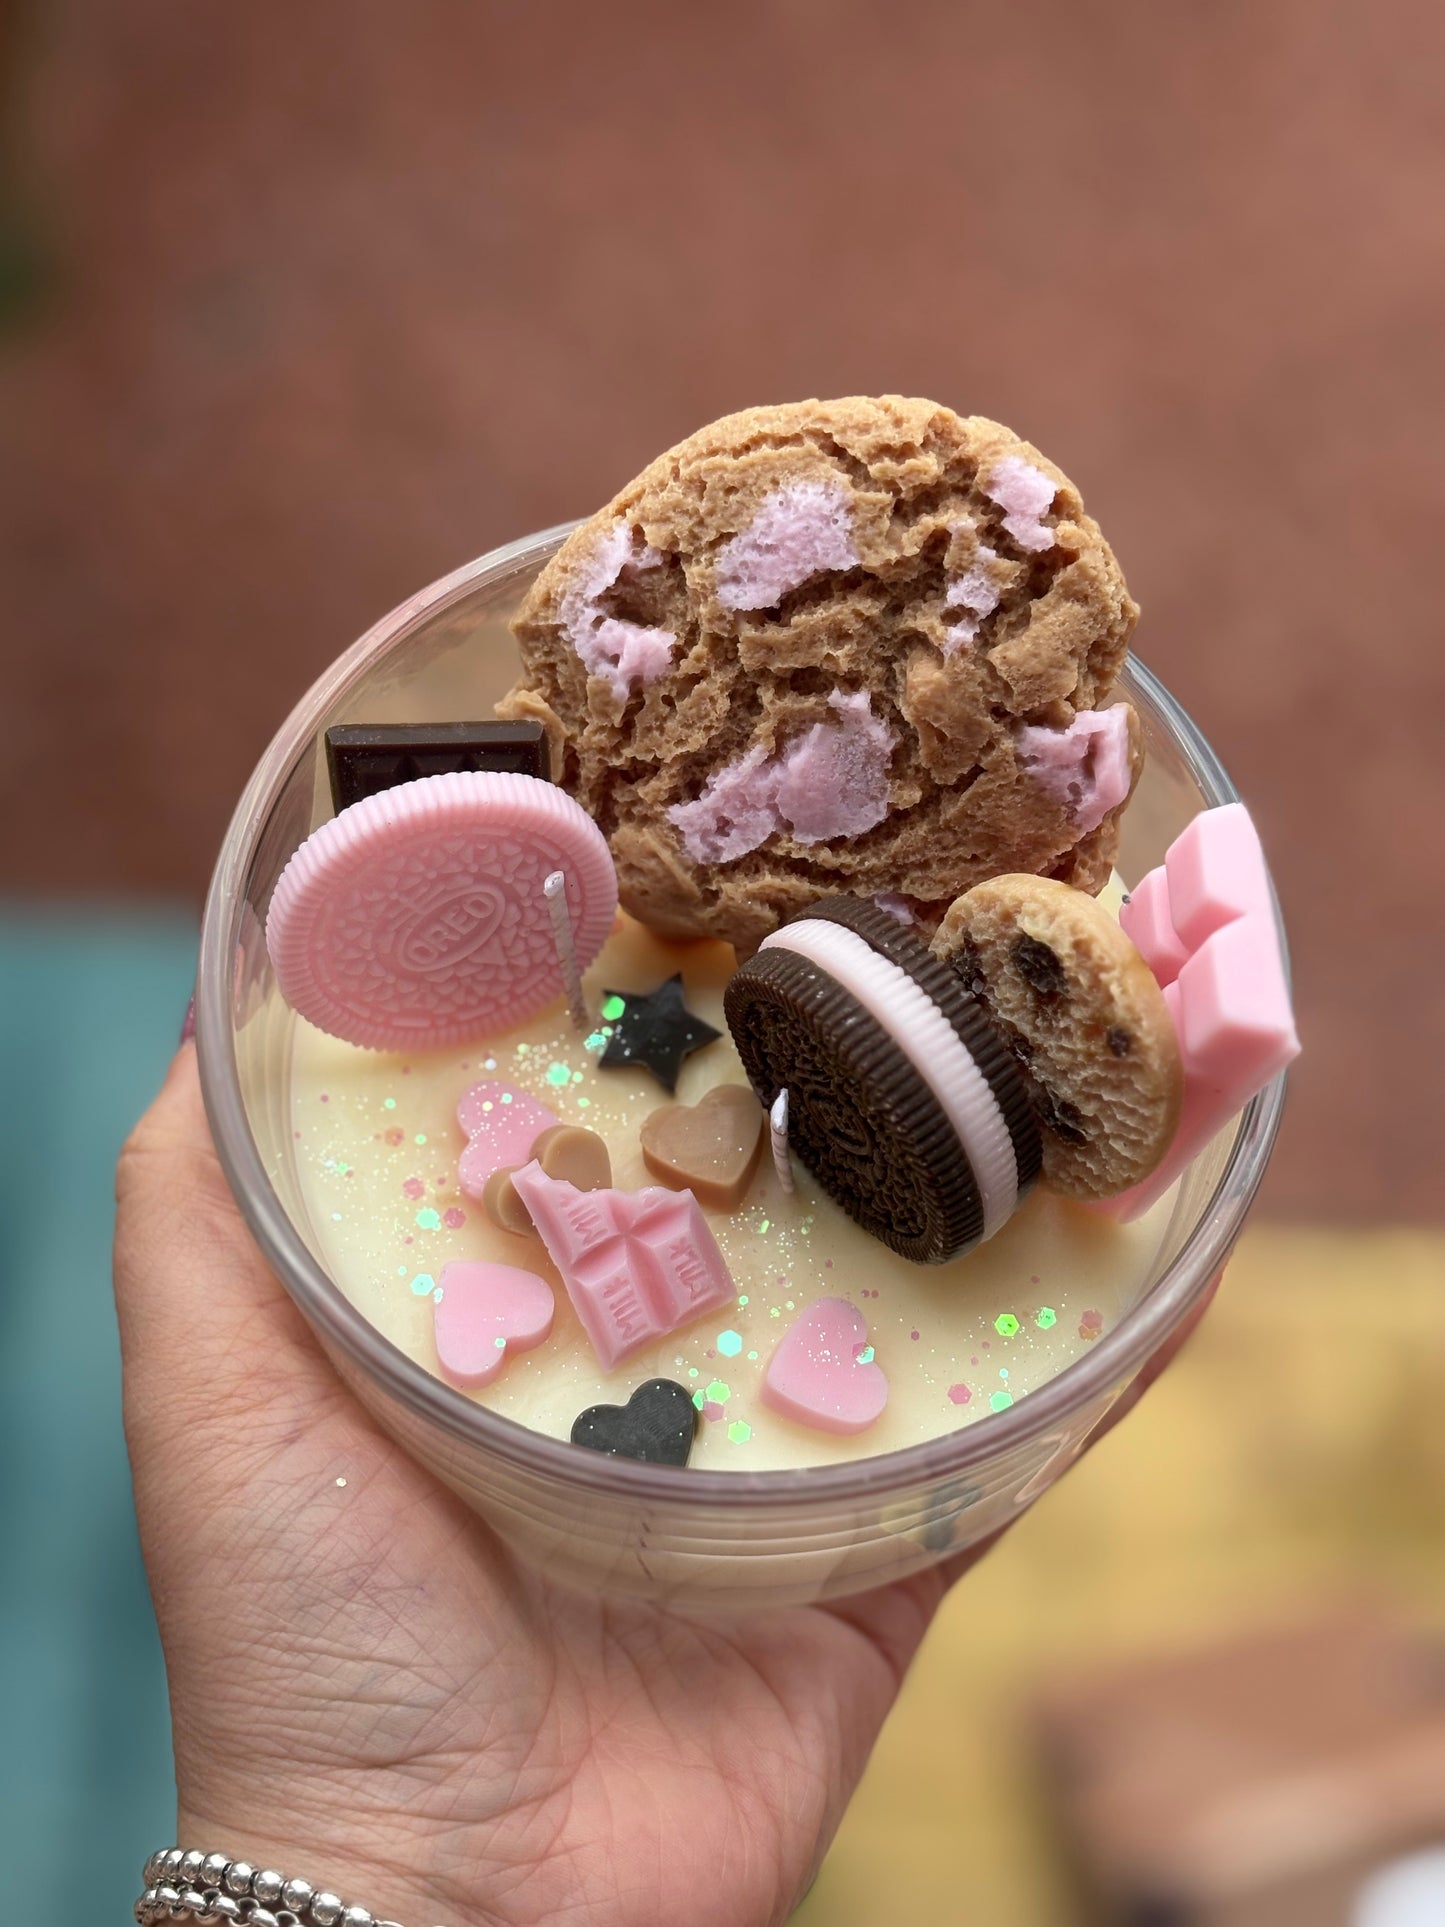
(656, 1031)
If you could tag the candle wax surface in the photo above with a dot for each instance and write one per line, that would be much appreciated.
(377, 1144)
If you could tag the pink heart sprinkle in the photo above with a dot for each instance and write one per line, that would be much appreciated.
(817, 1376)
(502, 1124)
(482, 1313)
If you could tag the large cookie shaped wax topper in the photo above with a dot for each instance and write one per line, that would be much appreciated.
(416, 918)
(863, 646)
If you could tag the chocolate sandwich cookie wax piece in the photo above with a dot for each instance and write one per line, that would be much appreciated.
(902, 1100)
(365, 758)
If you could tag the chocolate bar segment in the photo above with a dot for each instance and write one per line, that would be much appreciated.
(365, 758)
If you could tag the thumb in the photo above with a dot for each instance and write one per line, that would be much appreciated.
(206, 1330)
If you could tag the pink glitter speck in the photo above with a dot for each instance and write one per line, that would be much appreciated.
(413, 1188)
(913, 1334)
(406, 1070)
(1091, 1324)
(712, 1409)
(454, 1219)
(960, 1394)
(394, 1136)
(324, 1098)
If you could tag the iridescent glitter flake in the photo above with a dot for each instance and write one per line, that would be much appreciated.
(1046, 1318)
(960, 1394)
(718, 1393)
(1090, 1325)
(729, 1344)
(1006, 1325)
(1000, 1401)
(423, 1284)
(740, 1432)
(428, 1219)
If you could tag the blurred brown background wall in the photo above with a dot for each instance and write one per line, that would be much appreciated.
(306, 305)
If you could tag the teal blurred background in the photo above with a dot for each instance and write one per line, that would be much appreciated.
(90, 1007)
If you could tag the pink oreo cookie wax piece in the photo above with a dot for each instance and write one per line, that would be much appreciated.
(502, 1124)
(482, 1313)
(416, 919)
(822, 1373)
(636, 1264)
(1204, 922)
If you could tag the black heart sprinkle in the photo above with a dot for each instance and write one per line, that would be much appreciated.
(656, 1425)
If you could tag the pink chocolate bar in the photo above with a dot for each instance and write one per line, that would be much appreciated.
(1204, 923)
(636, 1264)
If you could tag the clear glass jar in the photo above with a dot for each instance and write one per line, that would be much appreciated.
(692, 1538)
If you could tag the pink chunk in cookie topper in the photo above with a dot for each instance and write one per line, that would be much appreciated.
(1025, 494)
(829, 782)
(1086, 766)
(1210, 906)
(636, 1264)
(802, 529)
(621, 653)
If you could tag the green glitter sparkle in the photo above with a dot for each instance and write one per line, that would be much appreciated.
(766, 1225)
(423, 1284)
(699, 1399)
(388, 1103)
(751, 1355)
(1046, 1318)
(742, 1300)
(865, 1357)
(420, 1138)
(584, 1103)
(729, 1344)
(428, 1219)
(1000, 1401)
(613, 1007)
(1005, 1324)
(740, 1432)
(558, 1075)
(718, 1392)
(596, 1041)
(692, 1371)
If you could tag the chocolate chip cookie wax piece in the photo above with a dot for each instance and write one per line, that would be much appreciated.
(710, 1148)
(656, 1425)
(902, 1101)
(865, 645)
(1086, 1020)
(655, 1029)
(416, 919)
(364, 758)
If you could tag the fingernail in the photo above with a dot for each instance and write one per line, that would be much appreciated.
(188, 1028)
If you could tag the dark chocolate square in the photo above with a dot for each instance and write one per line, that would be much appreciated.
(366, 758)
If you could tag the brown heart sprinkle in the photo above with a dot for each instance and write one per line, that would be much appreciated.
(566, 1151)
(710, 1148)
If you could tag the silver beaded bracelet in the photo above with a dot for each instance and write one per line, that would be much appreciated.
(208, 1887)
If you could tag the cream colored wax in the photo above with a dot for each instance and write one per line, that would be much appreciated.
(377, 1145)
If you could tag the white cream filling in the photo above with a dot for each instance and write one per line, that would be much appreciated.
(929, 1042)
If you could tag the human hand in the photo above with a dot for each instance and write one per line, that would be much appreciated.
(367, 1688)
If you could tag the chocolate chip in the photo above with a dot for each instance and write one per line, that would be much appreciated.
(1061, 1117)
(656, 1425)
(1039, 967)
(1120, 1042)
(365, 758)
(968, 968)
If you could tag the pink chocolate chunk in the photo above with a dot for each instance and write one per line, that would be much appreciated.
(502, 1124)
(821, 1373)
(636, 1264)
(1025, 494)
(802, 529)
(977, 594)
(622, 653)
(1229, 997)
(415, 919)
(831, 781)
(482, 1313)
(1084, 766)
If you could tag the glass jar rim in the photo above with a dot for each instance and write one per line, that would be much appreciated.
(1109, 1364)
